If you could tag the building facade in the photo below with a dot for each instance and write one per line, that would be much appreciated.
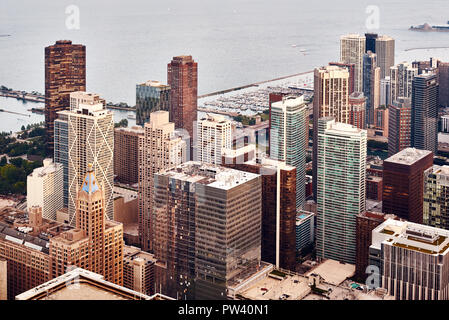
(151, 96)
(401, 80)
(288, 139)
(357, 106)
(65, 72)
(399, 125)
(403, 183)
(45, 189)
(371, 85)
(214, 134)
(341, 188)
(128, 143)
(436, 197)
(385, 48)
(352, 49)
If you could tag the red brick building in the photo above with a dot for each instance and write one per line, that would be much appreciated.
(127, 143)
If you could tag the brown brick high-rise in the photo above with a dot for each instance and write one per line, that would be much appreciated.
(65, 72)
(182, 77)
(403, 183)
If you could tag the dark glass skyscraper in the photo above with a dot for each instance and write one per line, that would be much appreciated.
(425, 97)
(151, 96)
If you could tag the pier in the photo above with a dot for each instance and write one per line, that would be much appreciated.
(18, 113)
(21, 95)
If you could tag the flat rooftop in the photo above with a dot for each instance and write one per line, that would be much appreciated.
(333, 272)
(408, 156)
(211, 175)
(412, 236)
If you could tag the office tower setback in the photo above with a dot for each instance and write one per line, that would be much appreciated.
(207, 229)
(341, 188)
(352, 49)
(289, 123)
(162, 149)
(331, 98)
(401, 80)
(399, 124)
(45, 189)
(371, 85)
(425, 112)
(385, 54)
(65, 72)
(403, 183)
(357, 107)
(182, 75)
(151, 96)
(214, 134)
(278, 245)
(90, 141)
(412, 259)
(436, 197)
(128, 143)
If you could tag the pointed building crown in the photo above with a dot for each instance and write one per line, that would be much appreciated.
(90, 183)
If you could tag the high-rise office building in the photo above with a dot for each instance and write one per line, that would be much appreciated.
(162, 149)
(399, 124)
(207, 228)
(90, 140)
(128, 142)
(385, 54)
(341, 188)
(138, 270)
(436, 197)
(412, 260)
(65, 72)
(425, 112)
(370, 43)
(403, 183)
(385, 91)
(331, 98)
(45, 189)
(214, 134)
(61, 151)
(371, 85)
(288, 138)
(151, 96)
(445, 123)
(401, 80)
(182, 75)
(278, 221)
(352, 49)
(350, 67)
(357, 106)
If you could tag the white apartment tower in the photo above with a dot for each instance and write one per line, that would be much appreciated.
(214, 134)
(45, 189)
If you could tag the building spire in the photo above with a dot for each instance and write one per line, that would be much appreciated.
(90, 184)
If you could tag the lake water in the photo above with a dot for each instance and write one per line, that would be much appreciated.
(235, 42)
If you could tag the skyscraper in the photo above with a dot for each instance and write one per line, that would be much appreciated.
(399, 124)
(370, 43)
(385, 54)
(151, 96)
(341, 188)
(128, 142)
(352, 49)
(357, 106)
(436, 197)
(278, 204)
(162, 149)
(182, 75)
(90, 140)
(207, 228)
(65, 72)
(371, 85)
(214, 134)
(331, 98)
(401, 78)
(403, 183)
(425, 112)
(289, 122)
(45, 189)
(385, 91)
